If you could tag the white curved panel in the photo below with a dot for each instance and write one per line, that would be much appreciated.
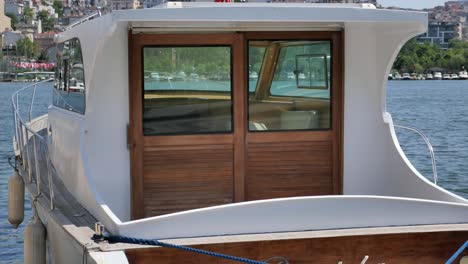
(297, 214)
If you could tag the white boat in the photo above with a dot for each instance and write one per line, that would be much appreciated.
(463, 75)
(406, 76)
(253, 75)
(454, 76)
(429, 76)
(446, 76)
(271, 173)
(438, 76)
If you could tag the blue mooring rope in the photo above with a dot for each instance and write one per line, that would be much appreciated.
(457, 253)
(154, 242)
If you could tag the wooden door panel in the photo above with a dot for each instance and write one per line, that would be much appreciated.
(172, 172)
(286, 169)
(177, 179)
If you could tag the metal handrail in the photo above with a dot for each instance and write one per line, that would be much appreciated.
(23, 132)
(429, 145)
(84, 19)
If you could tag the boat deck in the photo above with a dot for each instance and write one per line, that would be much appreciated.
(63, 200)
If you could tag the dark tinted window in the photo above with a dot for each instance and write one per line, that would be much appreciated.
(69, 84)
(187, 90)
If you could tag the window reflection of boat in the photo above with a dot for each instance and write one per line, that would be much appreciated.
(76, 86)
(253, 75)
(155, 76)
(180, 76)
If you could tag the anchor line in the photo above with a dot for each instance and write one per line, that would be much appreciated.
(153, 242)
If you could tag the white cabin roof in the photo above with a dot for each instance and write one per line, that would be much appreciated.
(268, 12)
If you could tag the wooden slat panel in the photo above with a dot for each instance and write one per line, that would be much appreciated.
(428, 248)
(177, 179)
(277, 170)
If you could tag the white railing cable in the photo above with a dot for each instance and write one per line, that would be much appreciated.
(429, 145)
(25, 135)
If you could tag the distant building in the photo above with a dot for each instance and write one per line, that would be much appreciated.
(151, 3)
(124, 4)
(9, 39)
(343, 1)
(441, 32)
(45, 40)
(5, 22)
(13, 7)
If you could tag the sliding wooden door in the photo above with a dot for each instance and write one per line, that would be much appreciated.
(222, 118)
(294, 115)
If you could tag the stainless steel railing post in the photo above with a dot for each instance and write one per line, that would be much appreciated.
(431, 150)
(36, 166)
(49, 179)
(28, 157)
(32, 102)
(25, 137)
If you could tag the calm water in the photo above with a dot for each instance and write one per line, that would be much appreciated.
(438, 108)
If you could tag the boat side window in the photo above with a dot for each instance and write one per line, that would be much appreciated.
(69, 84)
(187, 90)
(294, 87)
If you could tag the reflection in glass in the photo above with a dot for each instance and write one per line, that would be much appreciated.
(256, 55)
(187, 90)
(294, 88)
(69, 84)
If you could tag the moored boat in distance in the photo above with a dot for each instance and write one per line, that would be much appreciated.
(454, 76)
(446, 76)
(437, 76)
(406, 76)
(171, 140)
(463, 75)
(429, 76)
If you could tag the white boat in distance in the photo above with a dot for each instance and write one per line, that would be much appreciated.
(273, 169)
(438, 76)
(463, 75)
(406, 76)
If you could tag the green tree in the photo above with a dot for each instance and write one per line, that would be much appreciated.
(58, 7)
(47, 22)
(28, 14)
(417, 57)
(14, 20)
(25, 47)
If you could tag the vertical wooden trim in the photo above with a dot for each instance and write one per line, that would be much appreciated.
(338, 111)
(342, 105)
(135, 131)
(240, 115)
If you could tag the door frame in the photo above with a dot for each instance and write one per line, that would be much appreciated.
(335, 134)
(240, 135)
